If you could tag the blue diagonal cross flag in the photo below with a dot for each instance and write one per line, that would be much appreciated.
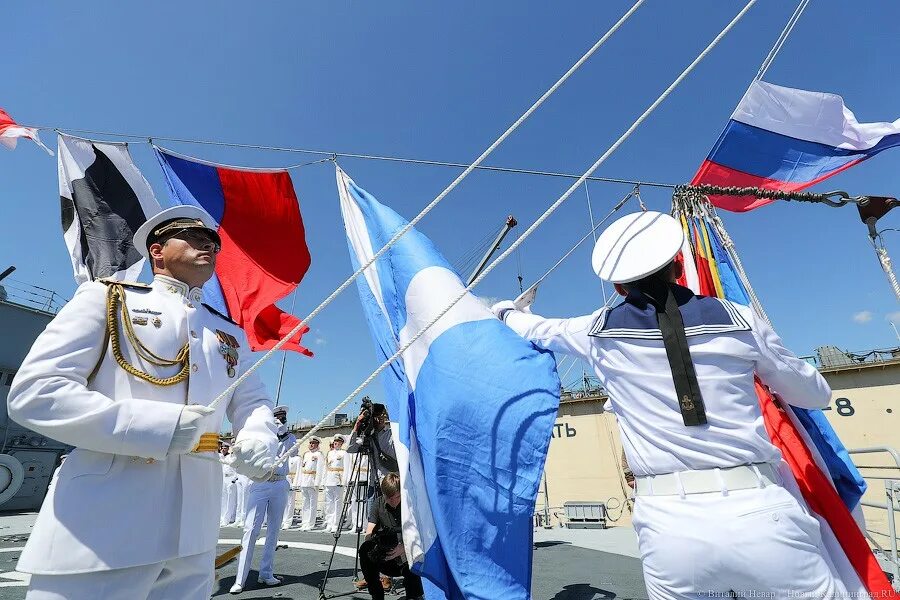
(472, 406)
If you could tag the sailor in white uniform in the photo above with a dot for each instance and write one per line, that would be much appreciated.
(240, 510)
(309, 478)
(711, 513)
(359, 513)
(290, 509)
(266, 500)
(337, 469)
(229, 488)
(125, 373)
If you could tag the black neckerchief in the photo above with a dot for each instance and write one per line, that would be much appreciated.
(665, 299)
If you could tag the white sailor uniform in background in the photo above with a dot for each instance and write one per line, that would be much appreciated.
(711, 514)
(291, 507)
(336, 472)
(229, 495)
(309, 478)
(240, 509)
(266, 500)
(359, 513)
(119, 502)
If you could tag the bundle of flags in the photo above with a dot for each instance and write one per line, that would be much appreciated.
(466, 516)
(786, 139)
(104, 199)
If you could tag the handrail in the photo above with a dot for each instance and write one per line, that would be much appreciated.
(891, 489)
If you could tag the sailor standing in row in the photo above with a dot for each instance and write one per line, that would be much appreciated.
(309, 478)
(290, 509)
(266, 500)
(124, 373)
(240, 511)
(337, 470)
(711, 514)
(359, 500)
(229, 488)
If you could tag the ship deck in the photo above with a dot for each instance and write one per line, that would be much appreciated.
(568, 564)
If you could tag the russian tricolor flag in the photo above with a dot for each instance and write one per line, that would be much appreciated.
(787, 139)
(264, 254)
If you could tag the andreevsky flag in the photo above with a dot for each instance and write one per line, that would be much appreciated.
(466, 515)
(104, 199)
(264, 254)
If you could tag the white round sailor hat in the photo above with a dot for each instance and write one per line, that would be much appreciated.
(636, 245)
(193, 216)
(280, 409)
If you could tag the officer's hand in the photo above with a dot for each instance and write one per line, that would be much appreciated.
(189, 428)
(503, 306)
(252, 458)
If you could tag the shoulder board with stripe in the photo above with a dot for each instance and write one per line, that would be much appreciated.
(136, 285)
(215, 312)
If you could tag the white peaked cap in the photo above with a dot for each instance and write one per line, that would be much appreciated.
(636, 245)
(182, 211)
(339, 437)
(280, 409)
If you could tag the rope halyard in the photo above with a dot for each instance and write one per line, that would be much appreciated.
(115, 300)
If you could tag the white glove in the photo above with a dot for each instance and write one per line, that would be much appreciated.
(502, 306)
(188, 430)
(252, 458)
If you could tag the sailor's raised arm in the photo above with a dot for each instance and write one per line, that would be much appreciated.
(569, 336)
(50, 392)
(795, 380)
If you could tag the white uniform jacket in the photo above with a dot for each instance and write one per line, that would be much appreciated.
(728, 343)
(312, 470)
(293, 469)
(119, 501)
(337, 468)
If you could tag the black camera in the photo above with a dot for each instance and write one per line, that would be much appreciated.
(385, 541)
(367, 424)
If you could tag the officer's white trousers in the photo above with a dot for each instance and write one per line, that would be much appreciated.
(265, 502)
(240, 509)
(229, 503)
(756, 543)
(289, 509)
(334, 496)
(185, 578)
(310, 505)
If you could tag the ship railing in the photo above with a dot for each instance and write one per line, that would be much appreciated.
(891, 505)
(36, 297)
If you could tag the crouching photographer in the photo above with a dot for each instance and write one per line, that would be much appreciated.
(382, 552)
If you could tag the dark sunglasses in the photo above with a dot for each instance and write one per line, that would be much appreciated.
(198, 238)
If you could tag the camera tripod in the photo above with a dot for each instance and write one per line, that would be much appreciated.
(354, 488)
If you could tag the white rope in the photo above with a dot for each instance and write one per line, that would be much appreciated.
(512, 248)
(587, 195)
(782, 38)
(299, 327)
(885, 261)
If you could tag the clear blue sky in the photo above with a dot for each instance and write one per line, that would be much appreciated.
(441, 81)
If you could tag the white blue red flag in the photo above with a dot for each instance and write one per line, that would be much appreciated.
(264, 254)
(472, 405)
(782, 138)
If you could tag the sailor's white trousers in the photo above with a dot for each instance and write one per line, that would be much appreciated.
(755, 542)
(310, 507)
(185, 578)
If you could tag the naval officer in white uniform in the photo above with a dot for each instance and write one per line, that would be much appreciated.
(229, 488)
(309, 478)
(711, 513)
(124, 373)
(265, 501)
(337, 470)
